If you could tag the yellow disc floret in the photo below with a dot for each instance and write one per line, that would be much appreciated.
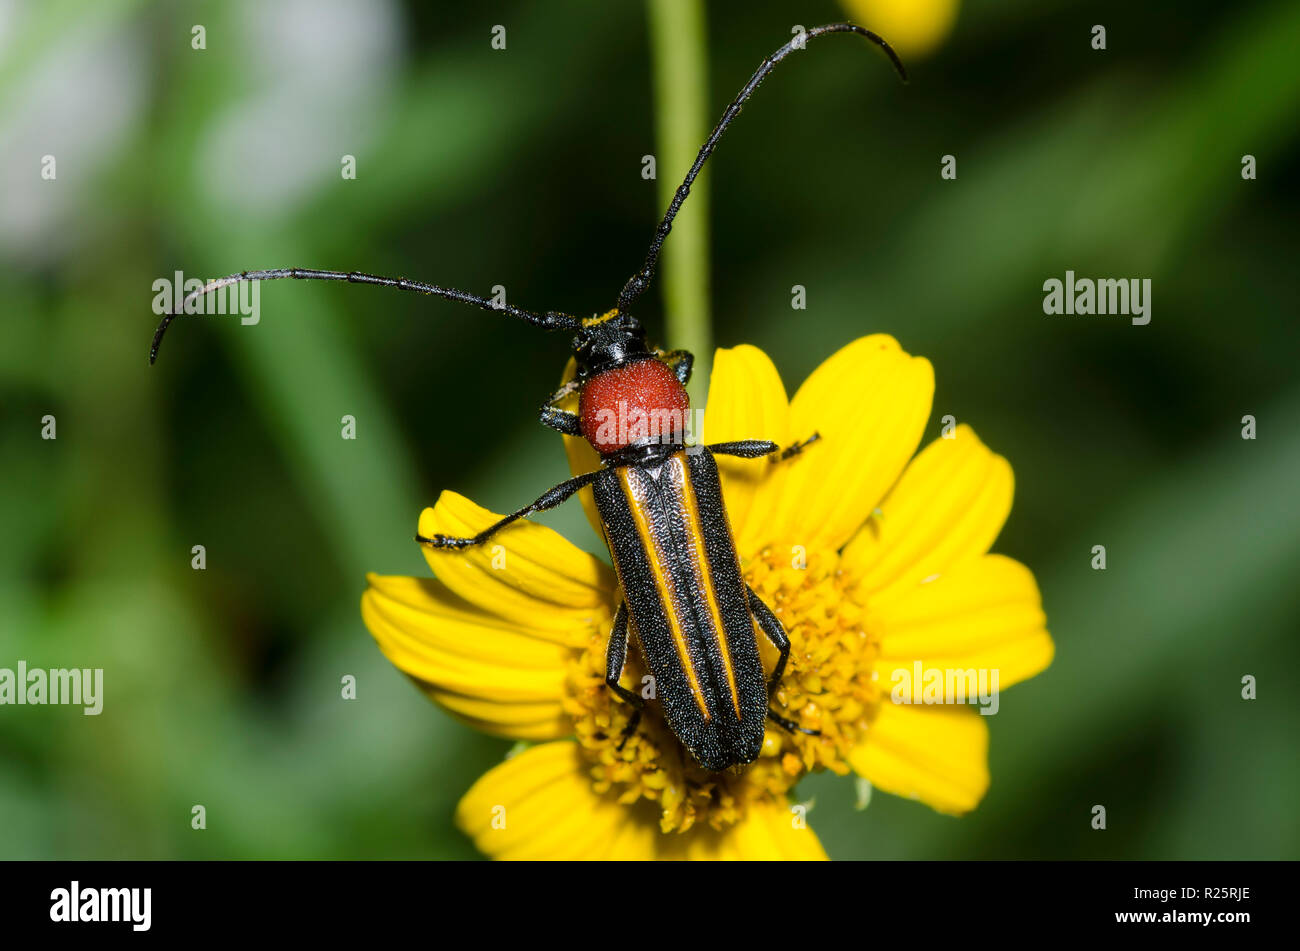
(827, 687)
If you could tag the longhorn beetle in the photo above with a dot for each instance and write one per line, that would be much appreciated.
(684, 598)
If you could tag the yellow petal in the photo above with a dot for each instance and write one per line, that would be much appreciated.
(912, 27)
(772, 832)
(497, 678)
(869, 401)
(747, 401)
(527, 574)
(539, 805)
(948, 506)
(513, 721)
(767, 833)
(985, 614)
(938, 755)
(582, 458)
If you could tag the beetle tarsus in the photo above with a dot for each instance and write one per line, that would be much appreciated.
(789, 725)
(791, 451)
(632, 723)
(444, 541)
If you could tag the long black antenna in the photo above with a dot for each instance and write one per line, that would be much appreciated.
(551, 320)
(639, 281)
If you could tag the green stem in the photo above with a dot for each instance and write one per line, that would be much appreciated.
(680, 62)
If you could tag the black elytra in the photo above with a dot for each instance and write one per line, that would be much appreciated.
(685, 601)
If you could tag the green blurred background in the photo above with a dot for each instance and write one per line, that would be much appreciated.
(522, 168)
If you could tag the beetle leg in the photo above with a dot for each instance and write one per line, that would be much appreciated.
(770, 626)
(789, 725)
(615, 658)
(754, 448)
(549, 500)
(745, 448)
(679, 361)
(558, 419)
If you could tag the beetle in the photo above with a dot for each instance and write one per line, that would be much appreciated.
(685, 601)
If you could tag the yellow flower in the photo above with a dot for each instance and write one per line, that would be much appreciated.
(912, 27)
(872, 559)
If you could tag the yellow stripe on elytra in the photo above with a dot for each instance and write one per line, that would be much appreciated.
(701, 565)
(665, 587)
